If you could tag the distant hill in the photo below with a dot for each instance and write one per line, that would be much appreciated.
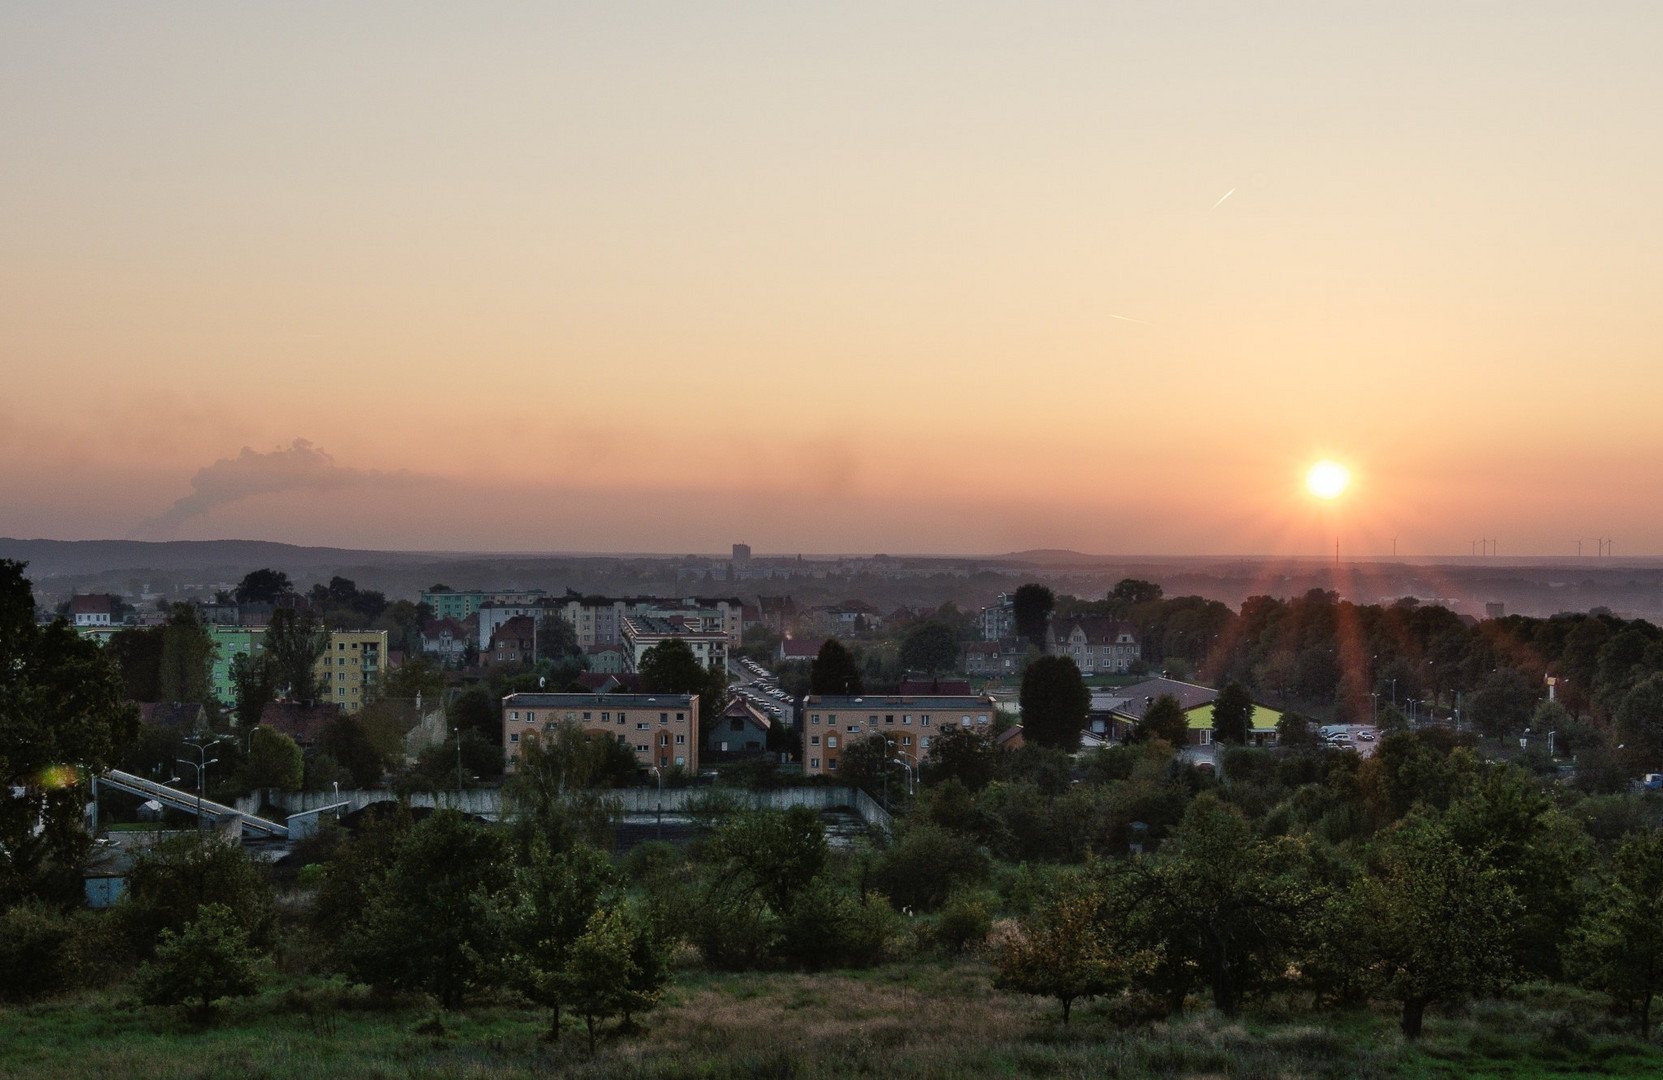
(61, 558)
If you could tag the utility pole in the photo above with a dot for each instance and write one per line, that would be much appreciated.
(458, 733)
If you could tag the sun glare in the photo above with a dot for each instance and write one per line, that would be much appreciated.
(1327, 479)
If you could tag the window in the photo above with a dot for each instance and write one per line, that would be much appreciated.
(680, 717)
(982, 719)
(587, 715)
(906, 718)
(642, 748)
(736, 725)
(965, 720)
(530, 716)
(924, 721)
(814, 740)
(814, 763)
(514, 737)
(663, 718)
(515, 715)
(924, 742)
(815, 719)
(643, 726)
(889, 718)
(831, 763)
(906, 740)
(831, 742)
(680, 739)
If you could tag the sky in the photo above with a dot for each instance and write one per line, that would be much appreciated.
(903, 277)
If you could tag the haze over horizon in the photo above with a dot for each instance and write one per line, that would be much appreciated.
(899, 278)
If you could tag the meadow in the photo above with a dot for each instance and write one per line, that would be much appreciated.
(909, 1021)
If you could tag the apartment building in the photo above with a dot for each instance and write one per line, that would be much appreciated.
(834, 722)
(642, 632)
(1098, 645)
(661, 729)
(599, 620)
(352, 668)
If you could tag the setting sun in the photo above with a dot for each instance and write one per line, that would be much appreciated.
(1327, 479)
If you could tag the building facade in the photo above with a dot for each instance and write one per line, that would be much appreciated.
(834, 722)
(661, 729)
(1098, 645)
(642, 632)
(351, 669)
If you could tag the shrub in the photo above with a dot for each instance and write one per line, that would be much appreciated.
(921, 870)
(964, 923)
(207, 961)
(39, 949)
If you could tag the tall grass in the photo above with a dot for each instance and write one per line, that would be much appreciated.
(903, 1021)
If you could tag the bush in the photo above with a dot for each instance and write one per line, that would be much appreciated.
(964, 923)
(926, 866)
(209, 960)
(170, 881)
(39, 951)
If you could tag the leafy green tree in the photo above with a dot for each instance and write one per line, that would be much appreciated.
(136, 653)
(556, 640)
(554, 897)
(41, 951)
(1432, 924)
(926, 865)
(1062, 951)
(253, 687)
(671, 668)
(964, 754)
(1055, 703)
(1132, 591)
(1502, 702)
(835, 671)
(1619, 945)
(417, 676)
(348, 744)
(867, 763)
(169, 881)
(63, 709)
(604, 976)
(1640, 719)
(1233, 906)
(770, 854)
(561, 787)
(1031, 608)
(210, 959)
(1233, 714)
(438, 763)
(187, 658)
(295, 642)
(263, 587)
(436, 923)
(1164, 719)
(1295, 732)
(930, 646)
(274, 761)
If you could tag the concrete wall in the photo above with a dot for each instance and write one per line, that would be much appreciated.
(487, 802)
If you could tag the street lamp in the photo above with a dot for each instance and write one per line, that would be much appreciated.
(248, 749)
(659, 772)
(457, 731)
(201, 766)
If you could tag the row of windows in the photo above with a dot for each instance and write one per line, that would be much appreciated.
(663, 739)
(606, 717)
(831, 740)
(889, 718)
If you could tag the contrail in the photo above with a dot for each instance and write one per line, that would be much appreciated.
(1226, 195)
(1128, 318)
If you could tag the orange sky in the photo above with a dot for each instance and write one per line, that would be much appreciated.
(884, 277)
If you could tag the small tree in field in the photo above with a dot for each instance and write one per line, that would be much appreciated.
(1062, 953)
(209, 960)
(612, 969)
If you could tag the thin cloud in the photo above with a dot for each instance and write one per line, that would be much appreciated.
(300, 467)
(1221, 198)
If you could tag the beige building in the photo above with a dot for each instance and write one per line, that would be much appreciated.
(1098, 645)
(642, 632)
(599, 620)
(352, 668)
(661, 729)
(834, 722)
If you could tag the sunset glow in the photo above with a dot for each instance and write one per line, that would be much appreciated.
(1327, 479)
(882, 278)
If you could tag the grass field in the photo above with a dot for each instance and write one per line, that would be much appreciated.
(902, 1021)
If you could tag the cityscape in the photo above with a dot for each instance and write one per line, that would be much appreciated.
(662, 541)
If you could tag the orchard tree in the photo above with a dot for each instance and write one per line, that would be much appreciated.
(1618, 949)
(1063, 951)
(210, 959)
(1055, 703)
(554, 897)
